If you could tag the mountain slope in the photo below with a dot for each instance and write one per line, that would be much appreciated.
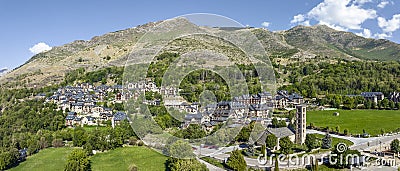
(316, 42)
(325, 41)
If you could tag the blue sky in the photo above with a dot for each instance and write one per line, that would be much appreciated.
(54, 22)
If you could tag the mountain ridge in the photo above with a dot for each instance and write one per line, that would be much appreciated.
(111, 49)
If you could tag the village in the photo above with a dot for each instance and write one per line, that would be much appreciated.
(89, 105)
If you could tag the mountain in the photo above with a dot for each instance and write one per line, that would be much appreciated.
(307, 42)
(325, 41)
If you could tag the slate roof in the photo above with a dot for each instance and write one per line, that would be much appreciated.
(278, 132)
(119, 116)
(371, 94)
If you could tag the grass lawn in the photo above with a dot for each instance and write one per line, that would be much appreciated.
(47, 159)
(120, 159)
(372, 121)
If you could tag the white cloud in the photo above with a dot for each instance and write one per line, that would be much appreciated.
(298, 18)
(383, 4)
(391, 25)
(342, 13)
(305, 23)
(336, 27)
(338, 14)
(40, 47)
(366, 33)
(382, 35)
(265, 24)
(361, 2)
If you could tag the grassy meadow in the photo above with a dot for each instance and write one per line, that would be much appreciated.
(118, 159)
(372, 121)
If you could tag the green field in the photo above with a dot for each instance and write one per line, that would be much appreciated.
(372, 121)
(118, 159)
(47, 159)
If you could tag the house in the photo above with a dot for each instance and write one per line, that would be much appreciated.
(105, 116)
(259, 110)
(265, 97)
(283, 99)
(198, 118)
(296, 99)
(77, 121)
(88, 120)
(182, 106)
(222, 112)
(395, 97)
(373, 96)
(209, 126)
(118, 118)
(69, 119)
(279, 133)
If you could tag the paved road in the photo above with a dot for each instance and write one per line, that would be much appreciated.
(359, 144)
(362, 143)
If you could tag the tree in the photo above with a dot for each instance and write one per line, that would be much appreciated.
(327, 142)
(271, 141)
(57, 143)
(78, 160)
(368, 104)
(275, 123)
(398, 105)
(346, 132)
(276, 165)
(236, 161)
(175, 164)
(385, 103)
(395, 145)
(282, 123)
(286, 146)
(337, 129)
(179, 149)
(263, 150)
(43, 143)
(392, 105)
(78, 137)
(8, 158)
(244, 134)
(311, 141)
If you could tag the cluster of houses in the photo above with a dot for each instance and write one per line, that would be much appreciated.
(85, 105)
(242, 109)
(84, 102)
(81, 104)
